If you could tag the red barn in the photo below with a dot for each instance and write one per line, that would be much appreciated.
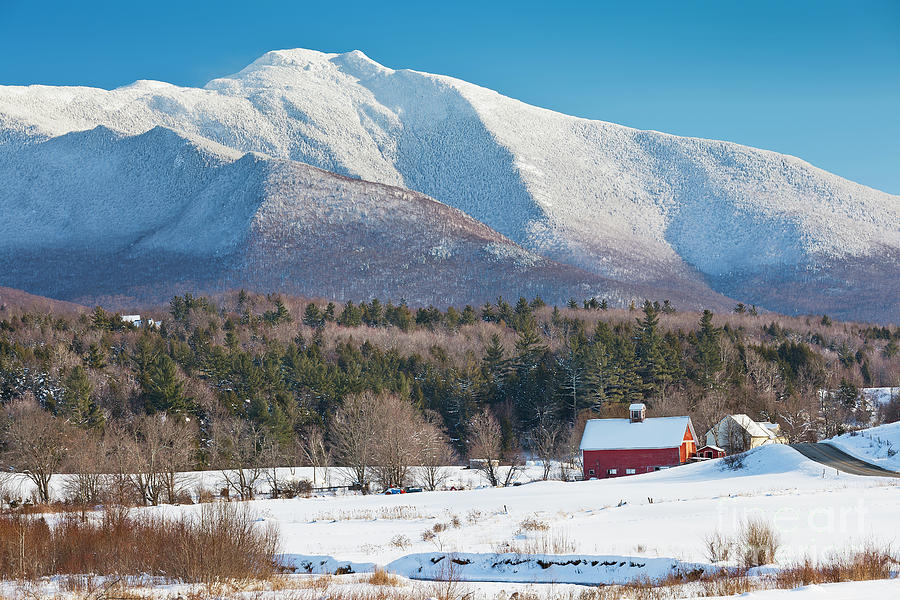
(617, 447)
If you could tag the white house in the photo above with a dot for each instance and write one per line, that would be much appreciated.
(736, 433)
(137, 321)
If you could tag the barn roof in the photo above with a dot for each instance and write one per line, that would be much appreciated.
(622, 434)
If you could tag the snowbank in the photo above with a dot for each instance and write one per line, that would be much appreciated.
(877, 445)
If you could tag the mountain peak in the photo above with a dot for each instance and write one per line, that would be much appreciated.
(668, 212)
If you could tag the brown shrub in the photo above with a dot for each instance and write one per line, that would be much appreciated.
(862, 565)
(220, 542)
(383, 578)
(758, 543)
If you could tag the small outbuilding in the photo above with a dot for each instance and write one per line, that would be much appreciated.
(617, 447)
(709, 451)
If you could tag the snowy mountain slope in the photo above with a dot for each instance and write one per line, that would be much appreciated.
(99, 213)
(669, 212)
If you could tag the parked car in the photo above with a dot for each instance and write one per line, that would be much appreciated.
(391, 491)
(413, 490)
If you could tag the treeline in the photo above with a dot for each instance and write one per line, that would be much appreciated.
(278, 371)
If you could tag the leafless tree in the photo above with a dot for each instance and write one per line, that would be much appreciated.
(354, 430)
(315, 452)
(545, 440)
(87, 467)
(238, 451)
(35, 443)
(275, 455)
(161, 449)
(400, 440)
(436, 455)
(486, 452)
(120, 463)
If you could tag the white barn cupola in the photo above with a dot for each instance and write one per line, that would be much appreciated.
(638, 412)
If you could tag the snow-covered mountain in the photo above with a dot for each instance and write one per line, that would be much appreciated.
(100, 214)
(682, 216)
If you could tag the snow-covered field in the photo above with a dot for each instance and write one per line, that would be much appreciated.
(541, 535)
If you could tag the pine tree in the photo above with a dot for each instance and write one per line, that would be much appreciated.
(329, 312)
(163, 388)
(651, 362)
(351, 316)
(79, 406)
(468, 316)
(312, 317)
(709, 361)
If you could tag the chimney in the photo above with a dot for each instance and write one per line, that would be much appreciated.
(638, 412)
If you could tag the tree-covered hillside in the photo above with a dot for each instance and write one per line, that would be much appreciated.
(279, 369)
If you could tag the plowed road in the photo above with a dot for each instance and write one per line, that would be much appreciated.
(836, 459)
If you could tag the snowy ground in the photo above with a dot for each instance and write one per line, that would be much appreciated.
(543, 536)
(878, 445)
(596, 531)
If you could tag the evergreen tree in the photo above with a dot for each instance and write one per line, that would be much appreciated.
(163, 389)
(79, 407)
(651, 362)
(312, 316)
(351, 316)
(328, 315)
(709, 361)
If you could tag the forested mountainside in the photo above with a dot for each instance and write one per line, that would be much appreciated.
(281, 367)
(686, 217)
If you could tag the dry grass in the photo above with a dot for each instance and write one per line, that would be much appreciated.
(758, 543)
(868, 563)
(545, 542)
(382, 578)
(717, 546)
(533, 524)
(221, 542)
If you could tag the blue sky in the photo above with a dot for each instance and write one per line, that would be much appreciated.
(819, 80)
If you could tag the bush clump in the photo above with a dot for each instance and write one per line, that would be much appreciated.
(221, 541)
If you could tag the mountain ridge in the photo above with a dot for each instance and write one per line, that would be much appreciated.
(636, 207)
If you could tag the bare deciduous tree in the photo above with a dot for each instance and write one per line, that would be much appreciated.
(316, 453)
(238, 450)
(486, 451)
(355, 431)
(87, 467)
(436, 455)
(400, 440)
(545, 440)
(161, 448)
(35, 443)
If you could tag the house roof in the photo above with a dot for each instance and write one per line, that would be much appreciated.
(622, 434)
(754, 428)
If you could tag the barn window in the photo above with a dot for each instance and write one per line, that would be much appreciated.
(611, 471)
(629, 471)
(591, 471)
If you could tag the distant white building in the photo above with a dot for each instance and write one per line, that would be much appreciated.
(736, 433)
(137, 321)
